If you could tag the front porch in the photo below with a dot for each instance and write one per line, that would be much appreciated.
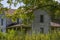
(19, 28)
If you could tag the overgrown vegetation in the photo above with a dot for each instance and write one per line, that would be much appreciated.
(14, 35)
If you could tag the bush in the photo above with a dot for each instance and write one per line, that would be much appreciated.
(13, 35)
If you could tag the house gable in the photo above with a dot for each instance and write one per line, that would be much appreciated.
(37, 25)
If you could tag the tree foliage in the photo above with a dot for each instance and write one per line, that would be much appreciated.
(26, 18)
(49, 5)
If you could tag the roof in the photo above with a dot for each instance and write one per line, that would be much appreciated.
(10, 11)
(18, 25)
(54, 24)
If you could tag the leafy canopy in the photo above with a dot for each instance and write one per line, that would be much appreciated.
(49, 5)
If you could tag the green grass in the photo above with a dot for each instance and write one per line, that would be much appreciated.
(14, 35)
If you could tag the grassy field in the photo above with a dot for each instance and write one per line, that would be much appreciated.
(14, 35)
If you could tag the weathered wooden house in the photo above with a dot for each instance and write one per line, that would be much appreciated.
(41, 22)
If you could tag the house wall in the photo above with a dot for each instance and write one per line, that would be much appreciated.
(3, 27)
(20, 21)
(9, 21)
(36, 25)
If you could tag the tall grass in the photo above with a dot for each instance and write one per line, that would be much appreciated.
(14, 35)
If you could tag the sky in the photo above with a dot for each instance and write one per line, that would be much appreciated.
(58, 0)
(12, 6)
(18, 5)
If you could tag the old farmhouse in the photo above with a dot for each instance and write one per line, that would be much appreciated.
(41, 23)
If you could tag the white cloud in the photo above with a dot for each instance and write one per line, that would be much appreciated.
(58, 0)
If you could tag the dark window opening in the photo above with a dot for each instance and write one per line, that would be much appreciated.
(17, 20)
(1, 21)
(41, 18)
(41, 30)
